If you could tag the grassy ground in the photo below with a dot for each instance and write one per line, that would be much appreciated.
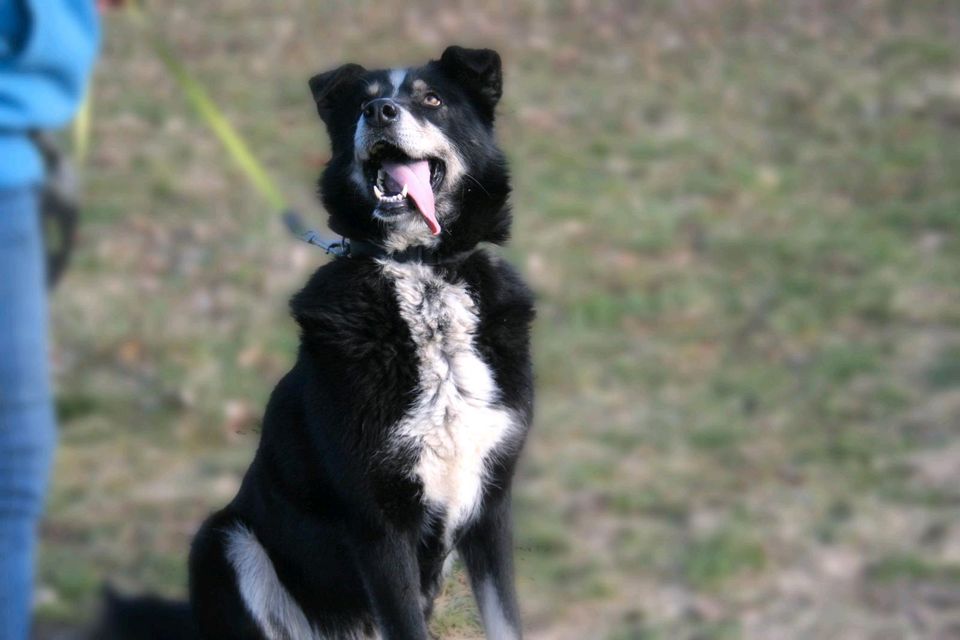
(741, 220)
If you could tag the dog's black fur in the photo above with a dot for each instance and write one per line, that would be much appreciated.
(331, 498)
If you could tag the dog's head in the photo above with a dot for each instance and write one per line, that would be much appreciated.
(414, 160)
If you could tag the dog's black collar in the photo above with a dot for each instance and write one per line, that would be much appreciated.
(347, 248)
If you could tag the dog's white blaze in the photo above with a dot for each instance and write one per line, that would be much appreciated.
(267, 600)
(456, 420)
(397, 76)
(495, 622)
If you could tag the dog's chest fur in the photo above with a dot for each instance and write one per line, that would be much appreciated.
(456, 421)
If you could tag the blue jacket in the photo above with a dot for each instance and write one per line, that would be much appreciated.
(47, 50)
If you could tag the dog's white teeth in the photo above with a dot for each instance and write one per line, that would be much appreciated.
(397, 197)
(380, 190)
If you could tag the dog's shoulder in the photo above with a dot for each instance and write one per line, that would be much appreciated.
(498, 287)
(355, 343)
(506, 308)
(346, 300)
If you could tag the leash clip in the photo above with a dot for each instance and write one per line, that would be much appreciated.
(295, 224)
(339, 249)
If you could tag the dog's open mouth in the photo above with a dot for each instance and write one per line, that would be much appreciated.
(394, 177)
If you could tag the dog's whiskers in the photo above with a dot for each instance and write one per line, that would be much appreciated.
(477, 182)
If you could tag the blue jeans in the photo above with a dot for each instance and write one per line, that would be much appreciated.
(27, 424)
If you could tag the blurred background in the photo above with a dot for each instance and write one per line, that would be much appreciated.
(741, 220)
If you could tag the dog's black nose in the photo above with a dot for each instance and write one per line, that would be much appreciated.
(381, 112)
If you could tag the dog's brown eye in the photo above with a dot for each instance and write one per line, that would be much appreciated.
(432, 100)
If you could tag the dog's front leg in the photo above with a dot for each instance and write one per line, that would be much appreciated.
(391, 576)
(487, 551)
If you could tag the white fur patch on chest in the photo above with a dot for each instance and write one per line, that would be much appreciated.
(456, 419)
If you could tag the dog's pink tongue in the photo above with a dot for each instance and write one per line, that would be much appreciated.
(416, 175)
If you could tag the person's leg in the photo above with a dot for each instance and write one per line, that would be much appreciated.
(27, 425)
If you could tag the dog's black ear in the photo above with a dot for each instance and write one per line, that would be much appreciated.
(478, 71)
(324, 86)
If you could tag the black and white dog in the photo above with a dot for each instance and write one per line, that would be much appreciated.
(392, 441)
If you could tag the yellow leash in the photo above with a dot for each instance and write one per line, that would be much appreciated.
(202, 104)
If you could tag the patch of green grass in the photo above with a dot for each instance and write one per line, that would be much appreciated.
(836, 516)
(457, 615)
(718, 436)
(629, 501)
(542, 540)
(945, 372)
(840, 363)
(901, 492)
(633, 627)
(72, 581)
(74, 406)
(710, 561)
(918, 53)
(909, 566)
